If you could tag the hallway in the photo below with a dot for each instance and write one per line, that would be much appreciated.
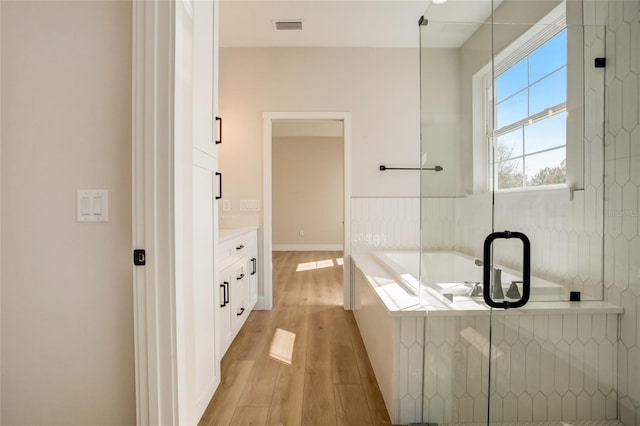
(330, 380)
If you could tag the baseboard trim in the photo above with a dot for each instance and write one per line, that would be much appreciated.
(307, 247)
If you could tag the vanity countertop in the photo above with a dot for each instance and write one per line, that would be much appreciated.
(225, 234)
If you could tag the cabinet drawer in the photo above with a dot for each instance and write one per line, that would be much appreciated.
(235, 248)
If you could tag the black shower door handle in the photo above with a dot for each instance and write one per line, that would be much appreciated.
(488, 266)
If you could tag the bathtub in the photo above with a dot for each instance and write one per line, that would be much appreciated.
(420, 343)
(450, 276)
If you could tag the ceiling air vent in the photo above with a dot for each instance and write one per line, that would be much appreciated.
(287, 24)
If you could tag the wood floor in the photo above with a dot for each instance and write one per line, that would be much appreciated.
(330, 380)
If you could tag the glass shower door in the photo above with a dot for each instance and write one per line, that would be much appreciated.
(512, 106)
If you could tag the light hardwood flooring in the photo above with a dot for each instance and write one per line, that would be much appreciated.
(330, 380)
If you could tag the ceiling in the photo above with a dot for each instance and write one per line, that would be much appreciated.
(348, 23)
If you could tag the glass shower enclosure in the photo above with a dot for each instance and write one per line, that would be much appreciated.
(512, 214)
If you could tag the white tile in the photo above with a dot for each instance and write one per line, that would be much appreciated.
(533, 368)
(525, 328)
(584, 327)
(465, 409)
(555, 328)
(630, 102)
(403, 377)
(430, 370)
(623, 373)
(634, 373)
(539, 407)
(576, 369)
(474, 371)
(554, 404)
(415, 371)
(627, 411)
(459, 371)
(605, 366)
(630, 210)
(547, 374)
(615, 104)
(622, 53)
(596, 260)
(569, 328)
(448, 366)
(621, 263)
(611, 405)
(634, 64)
(569, 407)
(517, 369)
(583, 402)
(451, 330)
(408, 331)
(436, 411)
(598, 406)
(407, 409)
(540, 328)
(525, 408)
(497, 408)
(628, 321)
(502, 371)
(510, 408)
(480, 408)
(562, 368)
(591, 367)
(612, 327)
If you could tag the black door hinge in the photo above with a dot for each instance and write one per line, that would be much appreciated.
(139, 257)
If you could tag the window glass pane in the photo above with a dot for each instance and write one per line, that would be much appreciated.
(546, 168)
(512, 80)
(548, 57)
(510, 174)
(509, 145)
(512, 110)
(548, 92)
(547, 133)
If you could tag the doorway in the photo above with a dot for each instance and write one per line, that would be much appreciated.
(266, 302)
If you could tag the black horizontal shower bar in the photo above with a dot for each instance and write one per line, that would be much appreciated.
(435, 169)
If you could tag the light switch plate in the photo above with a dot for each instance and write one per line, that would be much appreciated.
(92, 205)
(249, 205)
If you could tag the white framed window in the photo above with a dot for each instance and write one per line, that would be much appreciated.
(525, 100)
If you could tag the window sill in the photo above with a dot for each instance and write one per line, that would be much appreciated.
(545, 188)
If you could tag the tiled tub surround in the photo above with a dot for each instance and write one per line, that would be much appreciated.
(551, 360)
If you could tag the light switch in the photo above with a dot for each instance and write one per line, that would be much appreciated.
(97, 206)
(85, 206)
(92, 205)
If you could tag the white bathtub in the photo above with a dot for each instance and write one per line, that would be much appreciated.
(449, 276)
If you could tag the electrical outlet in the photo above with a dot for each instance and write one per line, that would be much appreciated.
(301, 233)
(226, 205)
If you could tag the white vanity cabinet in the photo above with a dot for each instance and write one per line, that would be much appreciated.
(238, 288)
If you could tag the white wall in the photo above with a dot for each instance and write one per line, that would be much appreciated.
(379, 86)
(307, 192)
(67, 314)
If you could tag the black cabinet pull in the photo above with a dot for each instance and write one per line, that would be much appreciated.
(219, 188)
(241, 312)
(239, 277)
(240, 247)
(225, 294)
(218, 130)
(255, 268)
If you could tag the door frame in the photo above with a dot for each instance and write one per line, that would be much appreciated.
(153, 215)
(266, 302)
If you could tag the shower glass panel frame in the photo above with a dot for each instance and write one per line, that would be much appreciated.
(483, 365)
